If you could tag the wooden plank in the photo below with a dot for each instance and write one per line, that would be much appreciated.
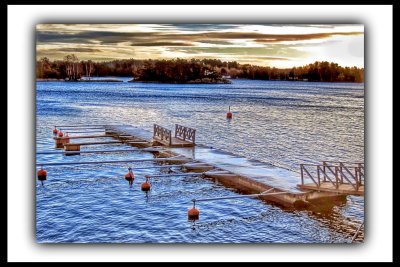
(83, 136)
(81, 128)
(81, 125)
(136, 142)
(89, 151)
(109, 161)
(175, 142)
(94, 143)
(72, 147)
(93, 131)
(327, 187)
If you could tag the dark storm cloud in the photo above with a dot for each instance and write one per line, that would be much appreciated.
(258, 36)
(90, 36)
(74, 50)
(269, 38)
(217, 42)
(203, 27)
(162, 44)
(136, 38)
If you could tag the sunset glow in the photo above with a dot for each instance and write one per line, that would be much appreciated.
(278, 45)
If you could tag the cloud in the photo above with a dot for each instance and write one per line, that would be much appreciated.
(77, 49)
(215, 42)
(322, 26)
(108, 37)
(269, 38)
(162, 44)
(273, 51)
(203, 26)
(245, 42)
(90, 37)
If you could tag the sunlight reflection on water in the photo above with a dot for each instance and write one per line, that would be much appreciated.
(286, 123)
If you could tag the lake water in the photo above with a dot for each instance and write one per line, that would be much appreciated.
(276, 122)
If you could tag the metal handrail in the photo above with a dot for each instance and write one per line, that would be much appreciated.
(162, 133)
(343, 174)
(335, 184)
(185, 133)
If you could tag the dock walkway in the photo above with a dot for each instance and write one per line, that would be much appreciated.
(239, 172)
(259, 171)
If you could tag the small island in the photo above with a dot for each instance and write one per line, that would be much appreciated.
(178, 71)
(188, 71)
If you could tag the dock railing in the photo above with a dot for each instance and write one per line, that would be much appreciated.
(185, 133)
(337, 173)
(163, 134)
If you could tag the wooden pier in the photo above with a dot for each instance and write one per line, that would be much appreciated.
(329, 182)
(337, 177)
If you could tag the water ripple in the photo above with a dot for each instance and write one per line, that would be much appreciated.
(281, 123)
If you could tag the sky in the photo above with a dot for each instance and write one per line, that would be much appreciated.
(275, 45)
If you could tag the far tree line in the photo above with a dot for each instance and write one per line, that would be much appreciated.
(181, 70)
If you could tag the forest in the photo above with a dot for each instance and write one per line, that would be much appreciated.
(191, 70)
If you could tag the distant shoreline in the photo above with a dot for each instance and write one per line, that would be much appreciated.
(198, 81)
(85, 81)
(190, 82)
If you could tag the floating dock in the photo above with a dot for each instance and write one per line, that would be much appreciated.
(332, 176)
(329, 184)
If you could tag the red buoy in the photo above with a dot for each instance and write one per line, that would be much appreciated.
(146, 186)
(42, 175)
(60, 134)
(193, 214)
(229, 113)
(129, 176)
(55, 131)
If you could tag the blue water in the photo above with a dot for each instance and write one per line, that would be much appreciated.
(277, 122)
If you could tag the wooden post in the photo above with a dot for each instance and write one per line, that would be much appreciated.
(302, 176)
(341, 176)
(357, 178)
(319, 178)
(357, 175)
(194, 136)
(361, 172)
(176, 130)
(337, 177)
(324, 168)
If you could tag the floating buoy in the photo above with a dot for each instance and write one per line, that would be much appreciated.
(146, 186)
(129, 176)
(229, 113)
(60, 134)
(42, 175)
(55, 131)
(193, 214)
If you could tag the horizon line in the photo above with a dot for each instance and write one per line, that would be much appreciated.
(159, 59)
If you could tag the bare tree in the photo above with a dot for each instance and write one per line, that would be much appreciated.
(88, 68)
(72, 67)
